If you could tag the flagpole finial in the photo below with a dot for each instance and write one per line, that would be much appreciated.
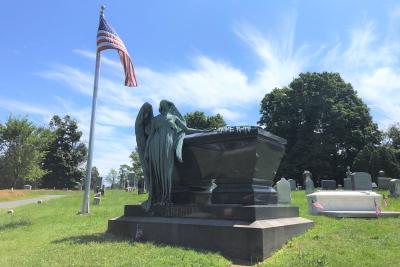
(102, 10)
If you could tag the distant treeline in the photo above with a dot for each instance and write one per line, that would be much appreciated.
(45, 157)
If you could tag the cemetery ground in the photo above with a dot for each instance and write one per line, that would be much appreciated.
(52, 234)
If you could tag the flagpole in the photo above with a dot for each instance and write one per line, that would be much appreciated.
(85, 205)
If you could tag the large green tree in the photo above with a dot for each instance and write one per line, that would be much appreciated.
(324, 122)
(66, 154)
(199, 120)
(22, 148)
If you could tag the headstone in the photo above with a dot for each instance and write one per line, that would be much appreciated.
(361, 181)
(309, 184)
(283, 188)
(292, 184)
(348, 172)
(328, 184)
(374, 186)
(97, 199)
(347, 184)
(381, 173)
(394, 188)
(27, 187)
(383, 183)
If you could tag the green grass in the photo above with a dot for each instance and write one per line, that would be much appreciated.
(8, 195)
(51, 234)
(342, 242)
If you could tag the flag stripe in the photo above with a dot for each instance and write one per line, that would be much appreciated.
(107, 38)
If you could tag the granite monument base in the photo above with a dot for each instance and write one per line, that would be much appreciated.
(250, 233)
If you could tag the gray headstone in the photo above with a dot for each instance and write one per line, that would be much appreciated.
(381, 173)
(27, 187)
(374, 186)
(383, 183)
(97, 199)
(292, 184)
(309, 186)
(284, 191)
(328, 184)
(394, 188)
(361, 181)
(347, 183)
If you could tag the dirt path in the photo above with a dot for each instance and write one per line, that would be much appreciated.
(16, 203)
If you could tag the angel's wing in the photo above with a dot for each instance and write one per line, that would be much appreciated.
(174, 111)
(142, 124)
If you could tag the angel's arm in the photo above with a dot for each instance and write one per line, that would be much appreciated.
(186, 129)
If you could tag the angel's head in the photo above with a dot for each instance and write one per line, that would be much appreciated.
(165, 106)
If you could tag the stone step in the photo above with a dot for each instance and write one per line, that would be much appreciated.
(250, 241)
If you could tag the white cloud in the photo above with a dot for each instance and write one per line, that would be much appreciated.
(370, 63)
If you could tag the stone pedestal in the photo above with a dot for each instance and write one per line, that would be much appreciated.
(250, 233)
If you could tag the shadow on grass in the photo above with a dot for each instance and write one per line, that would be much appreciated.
(12, 225)
(97, 238)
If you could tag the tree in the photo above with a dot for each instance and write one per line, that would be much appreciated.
(199, 120)
(22, 148)
(66, 154)
(112, 178)
(324, 122)
(95, 181)
(136, 165)
(372, 159)
(124, 169)
(393, 136)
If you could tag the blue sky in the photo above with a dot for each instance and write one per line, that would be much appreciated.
(213, 56)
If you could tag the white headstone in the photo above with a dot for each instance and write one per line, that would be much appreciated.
(284, 191)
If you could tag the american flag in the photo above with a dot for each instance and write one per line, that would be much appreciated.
(317, 205)
(107, 38)
(386, 201)
(378, 210)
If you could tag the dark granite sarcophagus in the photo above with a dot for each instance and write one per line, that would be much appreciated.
(241, 161)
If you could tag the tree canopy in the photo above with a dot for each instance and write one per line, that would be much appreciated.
(66, 154)
(22, 148)
(324, 122)
(199, 120)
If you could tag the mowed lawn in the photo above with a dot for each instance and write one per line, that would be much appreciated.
(52, 234)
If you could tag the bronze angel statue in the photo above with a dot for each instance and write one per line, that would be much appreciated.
(159, 140)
